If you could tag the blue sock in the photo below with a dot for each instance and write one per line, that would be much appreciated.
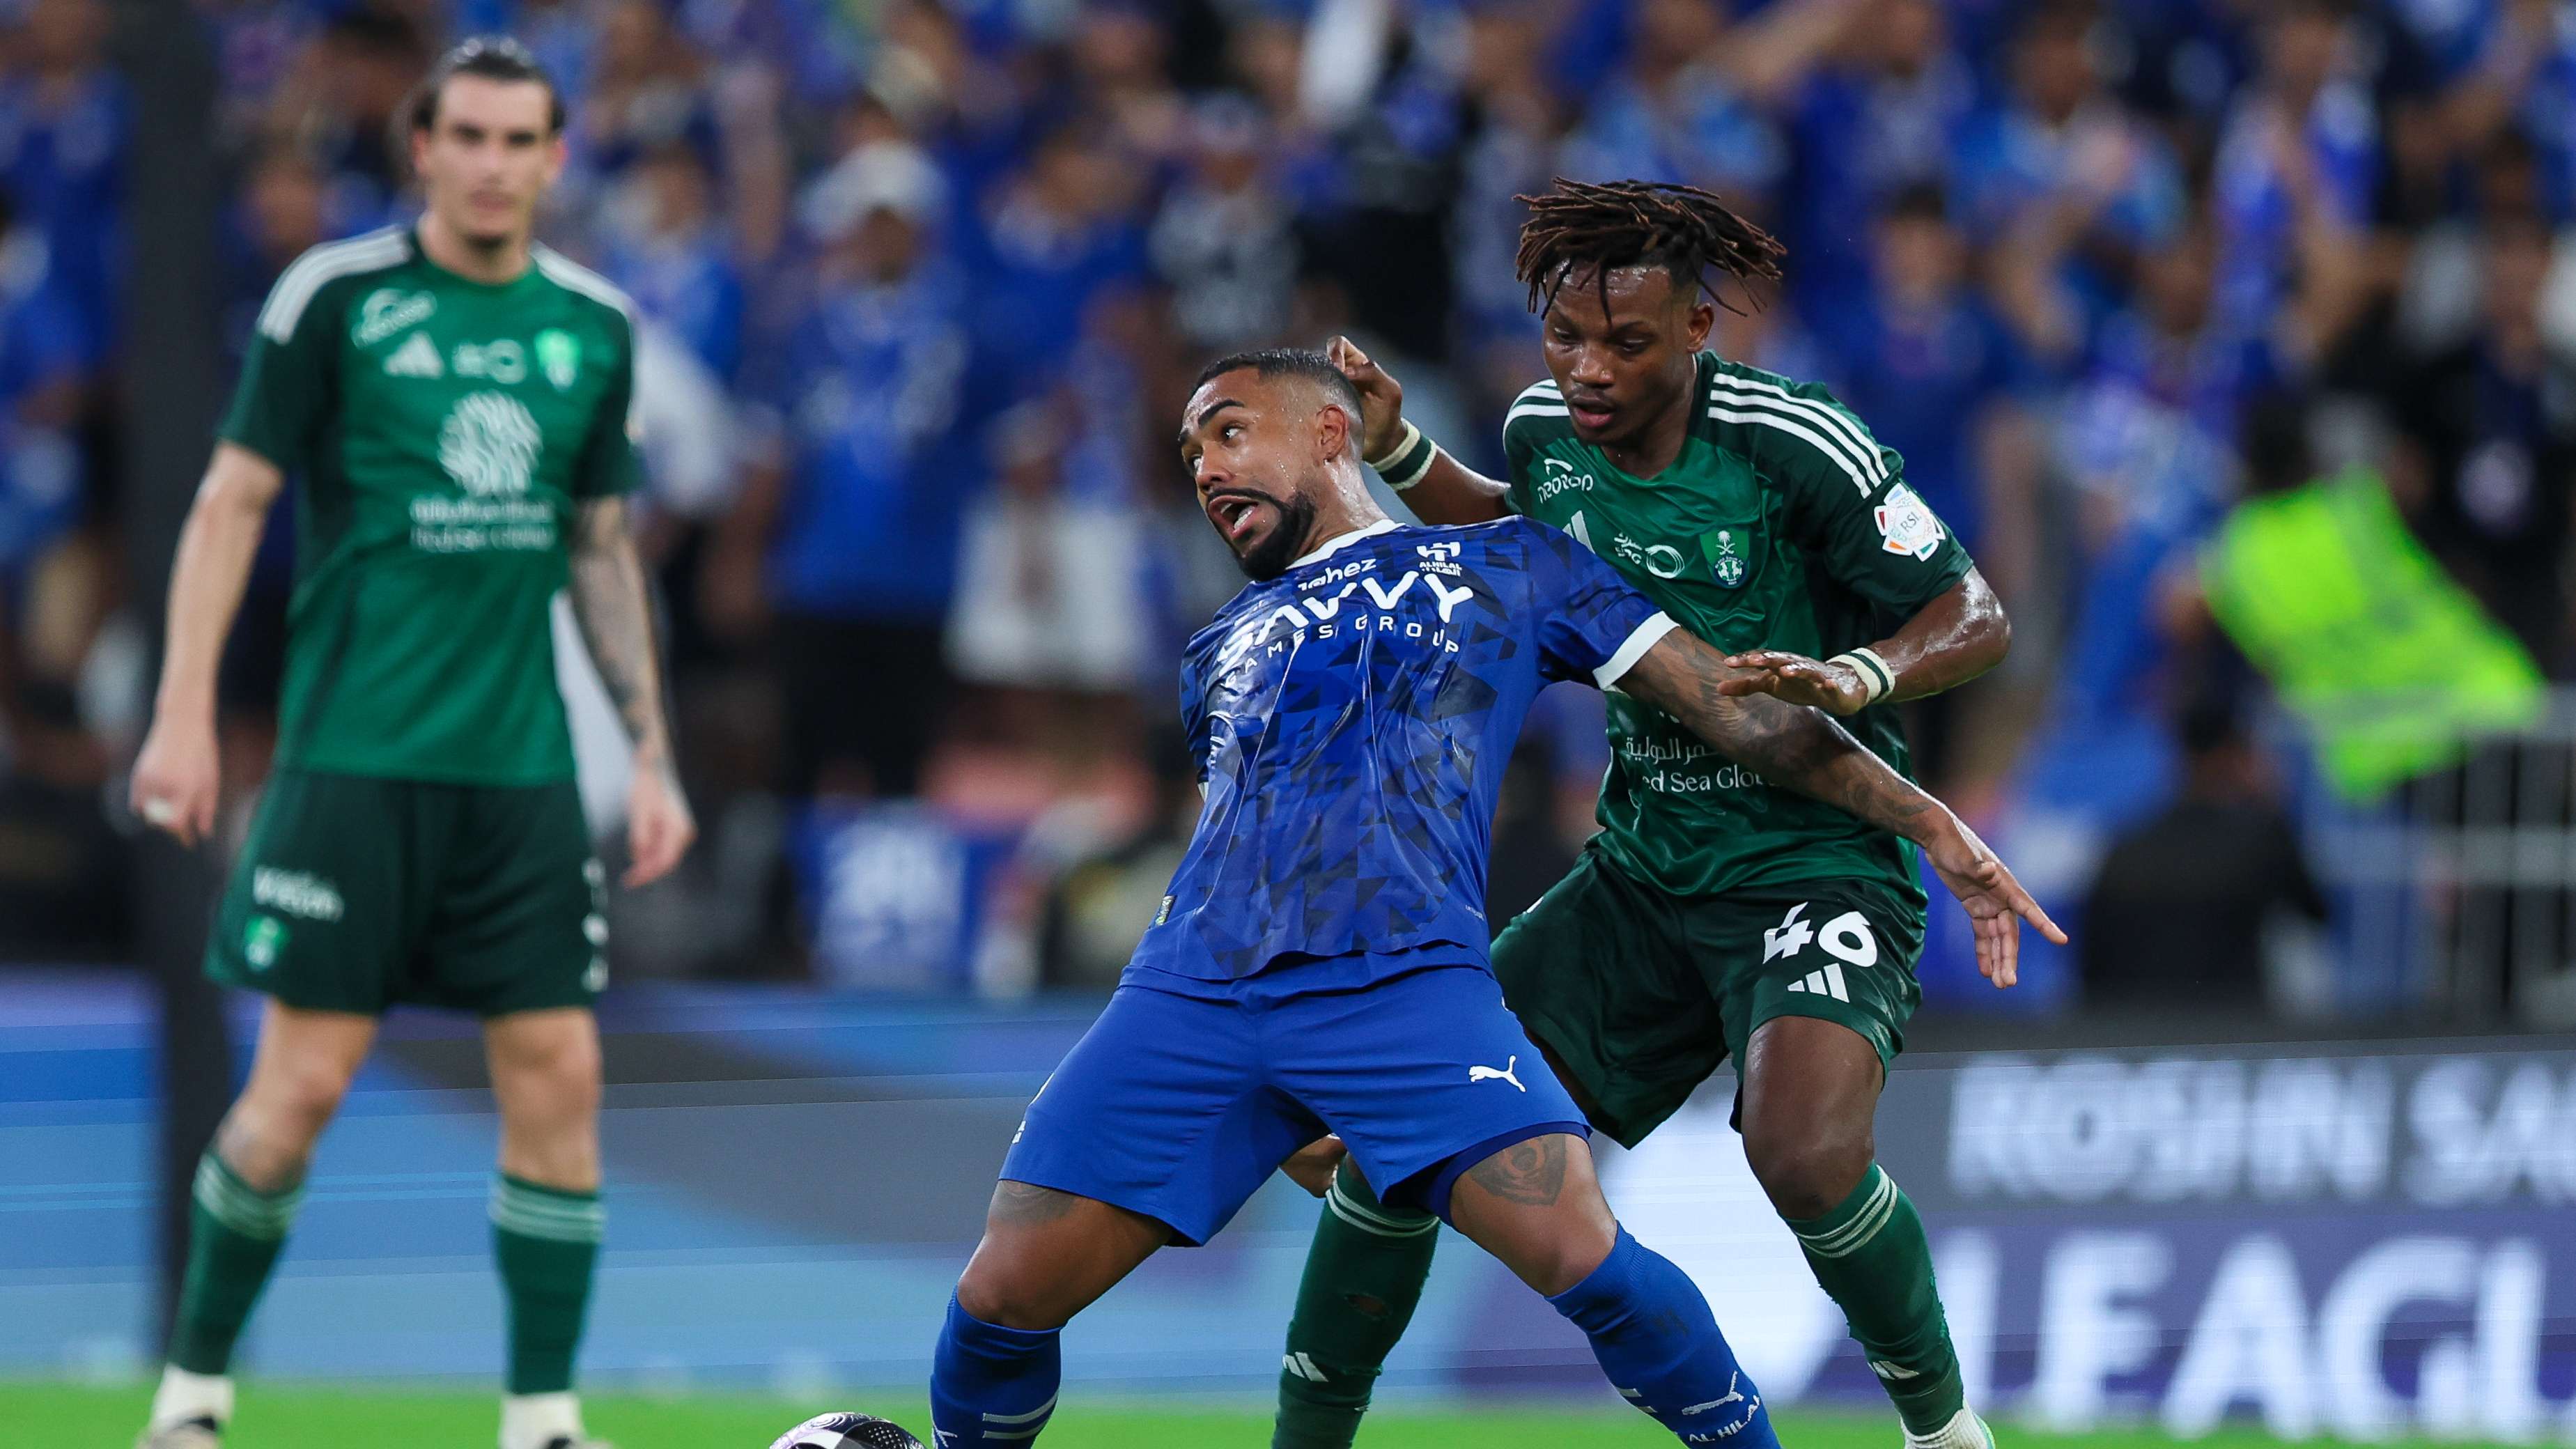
(1655, 1338)
(990, 1384)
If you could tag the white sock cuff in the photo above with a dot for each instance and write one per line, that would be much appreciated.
(241, 1207)
(183, 1396)
(538, 1212)
(1964, 1431)
(1878, 1204)
(533, 1421)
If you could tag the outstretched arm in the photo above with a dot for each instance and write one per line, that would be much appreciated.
(1803, 750)
(1948, 642)
(616, 617)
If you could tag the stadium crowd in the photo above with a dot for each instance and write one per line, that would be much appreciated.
(923, 283)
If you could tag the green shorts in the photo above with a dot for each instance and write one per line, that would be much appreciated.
(356, 893)
(1642, 994)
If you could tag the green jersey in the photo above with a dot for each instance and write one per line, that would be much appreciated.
(440, 432)
(1781, 525)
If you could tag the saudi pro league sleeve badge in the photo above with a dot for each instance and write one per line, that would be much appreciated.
(1907, 524)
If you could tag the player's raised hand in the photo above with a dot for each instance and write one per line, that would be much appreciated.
(1381, 397)
(659, 827)
(1995, 902)
(177, 778)
(1837, 689)
(1313, 1165)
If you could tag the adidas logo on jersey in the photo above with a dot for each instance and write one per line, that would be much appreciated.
(417, 357)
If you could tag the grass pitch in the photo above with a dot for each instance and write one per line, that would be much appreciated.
(55, 1416)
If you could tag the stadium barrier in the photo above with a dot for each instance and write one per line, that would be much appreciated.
(2459, 888)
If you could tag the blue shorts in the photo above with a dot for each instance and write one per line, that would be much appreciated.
(1179, 1106)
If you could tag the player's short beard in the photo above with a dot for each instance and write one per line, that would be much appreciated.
(1270, 558)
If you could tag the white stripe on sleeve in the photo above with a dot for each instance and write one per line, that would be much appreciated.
(1647, 636)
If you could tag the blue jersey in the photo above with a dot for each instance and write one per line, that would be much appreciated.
(1351, 720)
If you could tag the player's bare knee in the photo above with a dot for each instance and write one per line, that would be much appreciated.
(1001, 1286)
(292, 1097)
(549, 1068)
(1574, 1254)
(1806, 1173)
(566, 1084)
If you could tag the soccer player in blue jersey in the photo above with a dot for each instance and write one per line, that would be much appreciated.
(1320, 964)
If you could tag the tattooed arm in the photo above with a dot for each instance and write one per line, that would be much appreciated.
(1789, 745)
(1805, 750)
(616, 617)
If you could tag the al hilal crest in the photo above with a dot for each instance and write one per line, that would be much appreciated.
(1729, 563)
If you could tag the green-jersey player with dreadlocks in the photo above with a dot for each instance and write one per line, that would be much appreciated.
(1714, 916)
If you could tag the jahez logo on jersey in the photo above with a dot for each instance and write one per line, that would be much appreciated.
(1907, 524)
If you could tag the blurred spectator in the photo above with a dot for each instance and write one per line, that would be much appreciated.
(1122, 65)
(1223, 239)
(1888, 118)
(1054, 234)
(1922, 358)
(643, 94)
(2510, 65)
(1688, 105)
(1514, 120)
(2178, 913)
(2297, 167)
(1050, 617)
(340, 101)
(849, 529)
(46, 351)
(2489, 447)
(2066, 182)
(62, 146)
(666, 248)
(1095, 909)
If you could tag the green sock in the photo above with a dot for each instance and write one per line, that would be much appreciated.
(234, 1233)
(1364, 1275)
(546, 1241)
(1869, 1254)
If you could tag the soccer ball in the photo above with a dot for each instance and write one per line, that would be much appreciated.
(847, 1431)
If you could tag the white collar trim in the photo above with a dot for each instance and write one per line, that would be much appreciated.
(1336, 545)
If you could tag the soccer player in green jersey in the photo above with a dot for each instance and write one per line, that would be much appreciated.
(454, 402)
(1714, 916)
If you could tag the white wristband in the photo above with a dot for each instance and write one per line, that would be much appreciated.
(1876, 679)
(1409, 461)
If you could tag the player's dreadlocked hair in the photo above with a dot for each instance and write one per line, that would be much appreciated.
(1609, 225)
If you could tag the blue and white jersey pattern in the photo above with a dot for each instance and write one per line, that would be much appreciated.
(1352, 719)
